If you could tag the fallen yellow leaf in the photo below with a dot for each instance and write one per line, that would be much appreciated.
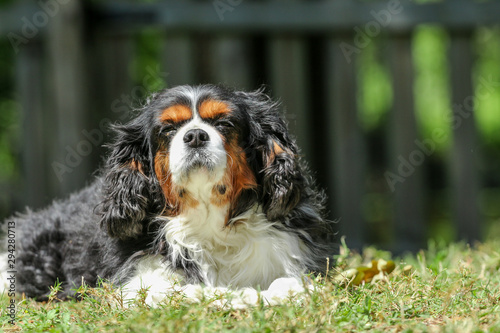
(375, 270)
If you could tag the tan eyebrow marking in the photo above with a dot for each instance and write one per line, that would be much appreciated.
(176, 113)
(212, 108)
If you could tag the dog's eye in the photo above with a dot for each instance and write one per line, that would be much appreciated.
(168, 130)
(223, 123)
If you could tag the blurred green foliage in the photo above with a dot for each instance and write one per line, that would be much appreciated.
(9, 115)
(146, 64)
(432, 83)
(432, 93)
(433, 109)
(488, 67)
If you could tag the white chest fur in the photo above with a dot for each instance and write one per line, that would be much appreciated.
(249, 255)
(252, 253)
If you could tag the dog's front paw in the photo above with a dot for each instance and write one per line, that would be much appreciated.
(282, 289)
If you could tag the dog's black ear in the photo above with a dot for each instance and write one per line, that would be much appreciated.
(282, 180)
(280, 176)
(130, 188)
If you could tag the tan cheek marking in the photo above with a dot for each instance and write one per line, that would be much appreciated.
(176, 113)
(238, 177)
(187, 200)
(177, 199)
(161, 167)
(212, 108)
(220, 199)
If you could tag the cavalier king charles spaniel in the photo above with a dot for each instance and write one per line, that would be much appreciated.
(204, 190)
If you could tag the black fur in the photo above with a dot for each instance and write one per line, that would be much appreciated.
(101, 231)
(129, 194)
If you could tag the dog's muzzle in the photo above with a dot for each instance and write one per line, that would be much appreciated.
(197, 147)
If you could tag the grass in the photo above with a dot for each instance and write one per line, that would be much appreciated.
(452, 288)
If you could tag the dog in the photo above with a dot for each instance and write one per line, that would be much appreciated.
(204, 188)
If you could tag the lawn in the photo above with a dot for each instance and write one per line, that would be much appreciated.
(452, 288)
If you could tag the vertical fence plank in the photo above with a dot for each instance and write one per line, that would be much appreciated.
(36, 128)
(346, 158)
(112, 96)
(465, 155)
(406, 159)
(116, 59)
(118, 93)
(289, 81)
(67, 94)
(231, 62)
(178, 60)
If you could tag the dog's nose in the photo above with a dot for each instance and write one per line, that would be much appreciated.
(196, 138)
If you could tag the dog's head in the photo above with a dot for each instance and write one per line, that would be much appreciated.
(204, 143)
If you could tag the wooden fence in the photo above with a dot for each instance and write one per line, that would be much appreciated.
(73, 75)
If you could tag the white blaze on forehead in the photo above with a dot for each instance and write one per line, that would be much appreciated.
(192, 94)
(202, 103)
